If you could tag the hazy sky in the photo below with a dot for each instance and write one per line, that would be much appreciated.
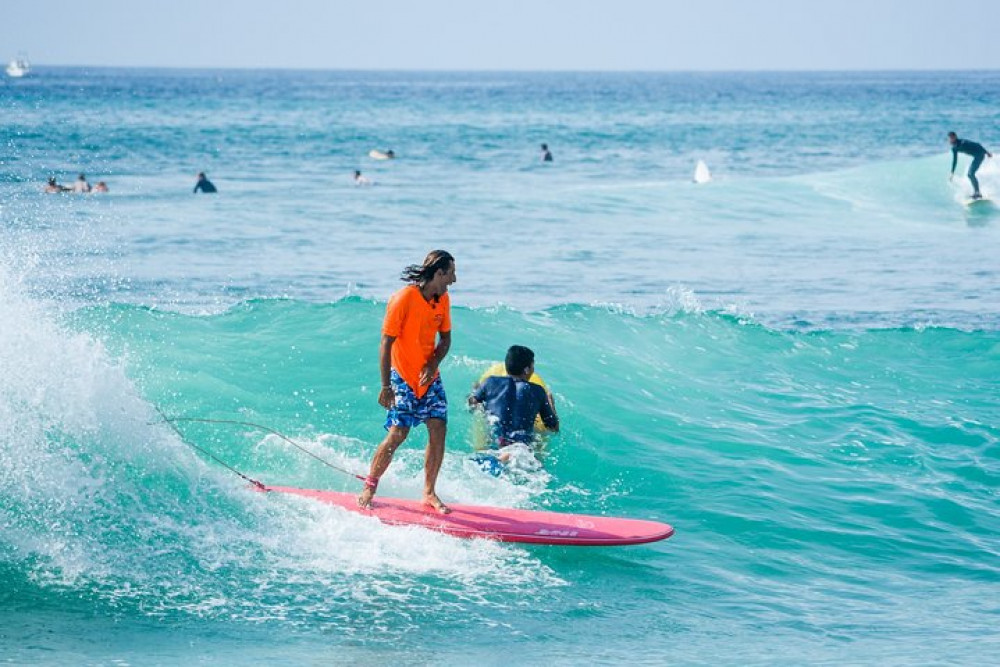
(508, 34)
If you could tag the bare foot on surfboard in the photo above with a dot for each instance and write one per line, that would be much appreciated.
(365, 498)
(433, 501)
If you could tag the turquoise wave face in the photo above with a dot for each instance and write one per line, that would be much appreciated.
(819, 482)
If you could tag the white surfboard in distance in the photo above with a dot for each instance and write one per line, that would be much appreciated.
(701, 172)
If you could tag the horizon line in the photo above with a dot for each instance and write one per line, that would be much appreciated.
(872, 70)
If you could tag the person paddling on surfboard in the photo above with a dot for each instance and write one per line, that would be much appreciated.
(978, 154)
(416, 335)
(512, 403)
(203, 184)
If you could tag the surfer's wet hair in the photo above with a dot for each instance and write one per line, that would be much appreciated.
(518, 359)
(436, 260)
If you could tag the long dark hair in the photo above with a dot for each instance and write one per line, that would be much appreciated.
(436, 260)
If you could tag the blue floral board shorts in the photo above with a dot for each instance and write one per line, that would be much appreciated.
(412, 411)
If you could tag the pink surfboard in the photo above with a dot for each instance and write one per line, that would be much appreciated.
(499, 523)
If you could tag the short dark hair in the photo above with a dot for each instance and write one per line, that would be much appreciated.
(952, 134)
(518, 359)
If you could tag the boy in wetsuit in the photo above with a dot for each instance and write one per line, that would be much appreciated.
(977, 152)
(512, 402)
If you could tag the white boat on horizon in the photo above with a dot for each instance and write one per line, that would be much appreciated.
(18, 67)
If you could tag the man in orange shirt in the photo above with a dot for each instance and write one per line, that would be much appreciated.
(416, 335)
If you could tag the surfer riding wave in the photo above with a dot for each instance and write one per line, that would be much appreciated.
(978, 154)
(416, 336)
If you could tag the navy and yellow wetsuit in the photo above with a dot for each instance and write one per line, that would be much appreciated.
(513, 404)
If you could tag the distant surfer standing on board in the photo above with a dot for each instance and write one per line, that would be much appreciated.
(978, 154)
(416, 335)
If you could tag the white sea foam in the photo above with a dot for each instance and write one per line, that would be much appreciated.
(93, 491)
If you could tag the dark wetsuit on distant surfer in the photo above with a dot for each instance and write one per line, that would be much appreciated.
(204, 184)
(978, 154)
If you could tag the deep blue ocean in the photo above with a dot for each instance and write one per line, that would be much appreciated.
(796, 364)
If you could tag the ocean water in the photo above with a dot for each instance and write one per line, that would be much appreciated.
(795, 364)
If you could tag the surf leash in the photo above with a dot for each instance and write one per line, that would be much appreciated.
(172, 422)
